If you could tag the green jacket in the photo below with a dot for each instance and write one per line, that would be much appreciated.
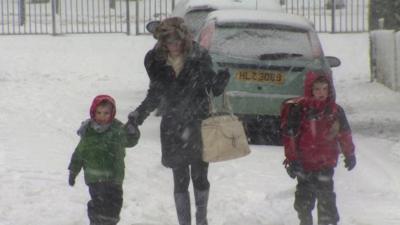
(101, 155)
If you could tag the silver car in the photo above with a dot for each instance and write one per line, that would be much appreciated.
(270, 56)
(194, 12)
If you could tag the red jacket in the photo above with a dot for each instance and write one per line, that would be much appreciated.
(320, 134)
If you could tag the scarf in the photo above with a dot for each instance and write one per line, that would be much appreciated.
(176, 63)
(99, 128)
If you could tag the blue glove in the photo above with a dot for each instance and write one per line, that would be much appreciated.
(350, 162)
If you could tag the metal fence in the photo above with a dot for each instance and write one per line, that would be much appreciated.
(80, 16)
(147, 10)
(347, 16)
(130, 16)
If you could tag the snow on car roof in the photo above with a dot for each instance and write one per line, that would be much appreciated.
(259, 16)
(232, 4)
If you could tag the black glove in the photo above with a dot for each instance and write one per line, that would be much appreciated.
(294, 169)
(82, 129)
(224, 75)
(350, 162)
(71, 179)
(133, 118)
(132, 129)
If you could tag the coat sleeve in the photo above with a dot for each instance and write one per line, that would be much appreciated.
(290, 122)
(148, 64)
(290, 145)
(76, 162)
(154, 92)
(344, 137)
(215, 82)
(130, 140)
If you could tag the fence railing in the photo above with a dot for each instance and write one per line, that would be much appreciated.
(127, 16)
(347, 16)
(80, 16)
(148, 10)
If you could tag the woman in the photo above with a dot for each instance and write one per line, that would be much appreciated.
(181, 74)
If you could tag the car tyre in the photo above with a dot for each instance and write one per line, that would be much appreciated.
(264, 131)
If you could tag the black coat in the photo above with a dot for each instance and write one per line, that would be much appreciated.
(185, 103)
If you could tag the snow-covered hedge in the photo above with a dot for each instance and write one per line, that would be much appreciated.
(385, 55)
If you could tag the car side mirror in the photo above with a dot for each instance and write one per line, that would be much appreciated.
(152, 25)
(333, 61)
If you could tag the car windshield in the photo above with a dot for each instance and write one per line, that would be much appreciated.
(195, 19)
(255, 41)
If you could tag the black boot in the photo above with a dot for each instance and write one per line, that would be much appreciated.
(201, 199)
(182, 204)
(306, 220)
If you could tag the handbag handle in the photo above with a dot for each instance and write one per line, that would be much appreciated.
(226, 106)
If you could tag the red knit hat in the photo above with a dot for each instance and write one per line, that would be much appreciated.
(100, 99)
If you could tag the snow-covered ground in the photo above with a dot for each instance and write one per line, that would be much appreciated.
(47, 84)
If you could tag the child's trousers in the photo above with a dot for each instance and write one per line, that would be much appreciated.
(105, 204)
(312, 187)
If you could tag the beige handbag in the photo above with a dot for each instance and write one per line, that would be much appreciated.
(223, 135)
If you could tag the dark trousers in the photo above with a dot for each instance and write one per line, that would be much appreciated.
(105, 204)
(198, 171)
(312, 187)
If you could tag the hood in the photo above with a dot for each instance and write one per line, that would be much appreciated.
(99, 99)
(311, 78)
(314, 103)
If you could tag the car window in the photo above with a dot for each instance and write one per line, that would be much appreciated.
(256, 40)
(195, 19)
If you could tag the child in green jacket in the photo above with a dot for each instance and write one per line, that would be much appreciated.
(101, 153)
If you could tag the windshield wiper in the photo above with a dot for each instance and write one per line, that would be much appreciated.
(278, 55)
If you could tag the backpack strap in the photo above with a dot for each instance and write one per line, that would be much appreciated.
(294, 119)
(291, 112)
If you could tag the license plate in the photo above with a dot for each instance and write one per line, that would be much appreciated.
(261, 76)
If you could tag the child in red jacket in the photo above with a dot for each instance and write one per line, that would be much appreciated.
(315, 132)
